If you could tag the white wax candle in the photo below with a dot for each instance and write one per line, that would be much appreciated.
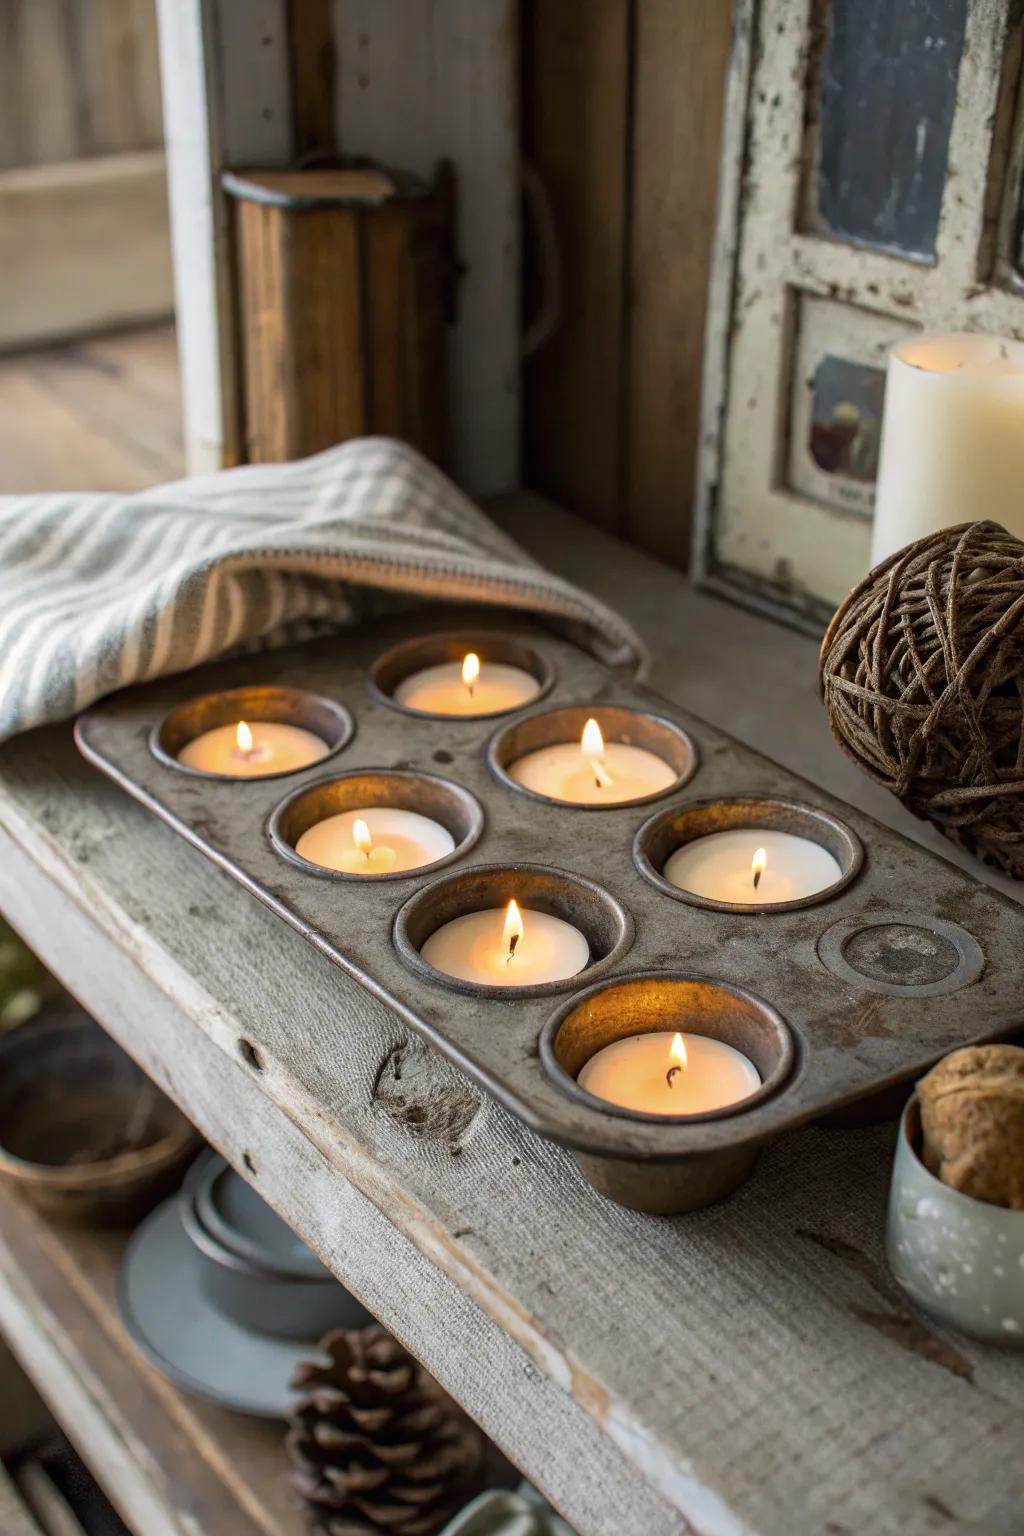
(398, 840)
(592, 771)
(721, 867)
(952, 438)
(652, 1074)
(460, 688)
(250, 750)
(477, 947)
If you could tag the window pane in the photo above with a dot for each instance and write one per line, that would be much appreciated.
(888, 90)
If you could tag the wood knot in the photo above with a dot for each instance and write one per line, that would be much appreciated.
(424, 1094)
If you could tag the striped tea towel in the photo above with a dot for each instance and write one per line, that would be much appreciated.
(99, 591)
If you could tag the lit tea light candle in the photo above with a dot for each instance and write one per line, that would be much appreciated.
(376, 840)
(592, 771)
(752, 866)
(509, 948)
(469, 687)
(246, 751)
(670, 1074)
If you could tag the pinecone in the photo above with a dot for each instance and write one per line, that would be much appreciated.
(376, 1444)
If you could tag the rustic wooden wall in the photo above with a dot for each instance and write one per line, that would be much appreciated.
(622, 112)
(77, 78)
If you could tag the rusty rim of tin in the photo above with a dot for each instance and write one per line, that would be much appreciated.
(647, 1002)
(671, 829)
(449, 804)
(564, 725)
(283, 705)
(414, 655)
(602, 919)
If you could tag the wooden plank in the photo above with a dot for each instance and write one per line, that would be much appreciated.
(227, 101)
(312, 75)
(419, 80)
(681, 58)
(101, 415)
(172, 1467)
(63, 273)
(762, 1374)
(577, 88)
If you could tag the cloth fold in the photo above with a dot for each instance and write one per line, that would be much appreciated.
(99, 591)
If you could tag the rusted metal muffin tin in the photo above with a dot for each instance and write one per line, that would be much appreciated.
(835, 998)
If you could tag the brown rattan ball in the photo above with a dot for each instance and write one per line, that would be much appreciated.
(922, 673)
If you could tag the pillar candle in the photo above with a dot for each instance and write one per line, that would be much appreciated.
(952, 446)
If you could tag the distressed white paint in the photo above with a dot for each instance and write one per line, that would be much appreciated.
(757, 534)
(422, 80)
(226, 93)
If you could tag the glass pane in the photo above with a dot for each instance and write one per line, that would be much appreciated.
(888, 90)
(846, 418)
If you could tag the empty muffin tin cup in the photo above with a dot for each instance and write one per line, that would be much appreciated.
(646, 1003)
(660, 837)
(451, 806)
(415, 655)
(604, 922)
(554, 727)
(285, 706)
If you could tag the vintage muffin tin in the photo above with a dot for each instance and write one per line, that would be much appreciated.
(836, 997)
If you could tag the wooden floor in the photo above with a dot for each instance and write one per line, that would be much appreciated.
(97, 415)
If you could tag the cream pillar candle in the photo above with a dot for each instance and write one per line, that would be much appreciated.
(752, 866)
(375, 840)
(507, 948)
(670, 1074)
(952, 446)
(247, 751)
(592, 771)
(467, 687)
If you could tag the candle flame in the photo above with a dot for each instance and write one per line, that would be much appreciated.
(471, 669)
(361, 836)
(592, 747)
(758, 865)
(677, 1058)
(243, 737)
(513, 930)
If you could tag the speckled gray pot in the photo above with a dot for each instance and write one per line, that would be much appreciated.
(960, 1259)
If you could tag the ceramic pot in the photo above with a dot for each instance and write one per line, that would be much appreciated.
(84, 1135)
(960, 1259)
(280, 1300)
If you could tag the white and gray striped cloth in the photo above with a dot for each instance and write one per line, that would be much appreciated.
(98, 591)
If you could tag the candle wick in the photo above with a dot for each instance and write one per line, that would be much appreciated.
(757, 878)
(670, 1074)
(513, 941)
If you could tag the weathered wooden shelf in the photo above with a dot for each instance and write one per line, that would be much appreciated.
(173, 1466)
(743, 1372)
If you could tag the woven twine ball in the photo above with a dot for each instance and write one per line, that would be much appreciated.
(922, 673)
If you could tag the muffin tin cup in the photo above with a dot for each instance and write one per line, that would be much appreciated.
(555, 727)
(848, 1043)
(648, 1002)
(325, 717)
(453, 807)
(604, 922)
(432, 650)
(670, 830)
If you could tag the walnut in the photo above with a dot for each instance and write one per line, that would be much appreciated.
(972, 1118)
